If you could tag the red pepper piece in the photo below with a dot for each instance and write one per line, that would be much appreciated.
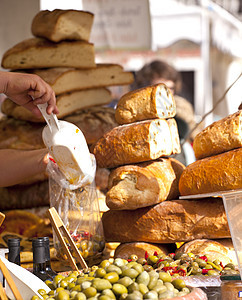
(181, 272)
(204, 258)
(155, 253)
(205, 271)
(146, 255)
(129, 259)
(52, 159)
(172, 255)
(221, 265)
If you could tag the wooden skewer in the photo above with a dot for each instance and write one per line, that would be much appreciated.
(2, 217)
(57, 224)
(10, 281)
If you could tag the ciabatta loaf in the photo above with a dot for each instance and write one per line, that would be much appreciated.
(59, 25)
(150, 102)
(63, 80)
(133, 143)
(41, 53)
(220, 172)
(67, 104)
(219, 137)
(168, 222)
(143, 184)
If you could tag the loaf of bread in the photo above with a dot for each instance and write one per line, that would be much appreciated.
(168, 222)
(59, 25)
(176, 146)
(94, 122)
(150, 102)
(63, 80)
(124, 250)
(143, 184)
(222, 250)
(133, 143)
(67, 104)
(41, 53)
(219, 137)
(220, 172)
(23, 135)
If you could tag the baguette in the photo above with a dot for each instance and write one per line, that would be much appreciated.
(221, 172)
(150, 102)
(219, 137)
(40, 53)
(133, 143)
(168, 222)
(67, 104)
(63, 80)
(144, 184)
(125, 250)
(59, 25)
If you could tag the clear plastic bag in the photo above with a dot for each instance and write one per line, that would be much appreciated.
(78, 207)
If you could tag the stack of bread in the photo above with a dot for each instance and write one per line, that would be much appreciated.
(139, 216)
(61, 54)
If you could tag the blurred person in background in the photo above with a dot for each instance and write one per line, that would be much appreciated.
(161, 72)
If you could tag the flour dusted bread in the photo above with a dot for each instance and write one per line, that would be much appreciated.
(143, 184)
(59, 25)
(219, 137)
(168, 222)
(41, 53)
(63, 80)
(133, 143)
(220, 172)
(67, 103)
(146, 103)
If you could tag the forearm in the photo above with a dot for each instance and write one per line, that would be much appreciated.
(18, 165)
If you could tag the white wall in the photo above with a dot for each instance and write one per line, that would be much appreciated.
(15, 21)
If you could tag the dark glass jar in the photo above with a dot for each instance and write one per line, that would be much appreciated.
(14, 250)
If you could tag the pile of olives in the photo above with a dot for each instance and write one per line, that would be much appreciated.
(120, 279)
(153, 277)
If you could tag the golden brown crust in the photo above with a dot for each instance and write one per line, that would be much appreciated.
(140, 249)
(144, 184)
(140, 105)
(131, 143)
(168, 222)
(45, 24)
(221, 172)
(219, 137)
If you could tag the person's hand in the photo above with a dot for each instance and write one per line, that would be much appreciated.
(28, 90)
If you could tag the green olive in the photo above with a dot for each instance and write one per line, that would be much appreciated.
(109, 293)
(35, 298)
(132, 273)
(133, 257)
(178, 283)
(202, 263)
(100, 272)
(165, 277)
(152, 259)
(62, 295)
(77, 288)
(80, 296)
(126, 281)
(113, 268)
(90, 292)
(119, 289)
(212, 273)
(151, 295)
(101, 284)
(230, 265)
(42, 292)
(118, 262)
(144, 278)
(57, 279)
(112, 277)
(105, 263)
(133, 287)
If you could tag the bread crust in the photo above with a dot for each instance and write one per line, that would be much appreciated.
(221, 172)
(47, 24)
(140, 249)
(168, 222)
(133, 143)
(141, 105)
(219, 137)
(41, 53)
(144, 184)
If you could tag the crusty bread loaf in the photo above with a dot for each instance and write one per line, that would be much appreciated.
(40, 53)
(18, 134)
(67, 104)
(59, 25)
(221, 172)
(214, 249)
(63, 80)
(219, 137)
(133, 143)
(168, 222)
(150, 102)
(143, 184)
(124, 250)
(176, 146)
(94, 122)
